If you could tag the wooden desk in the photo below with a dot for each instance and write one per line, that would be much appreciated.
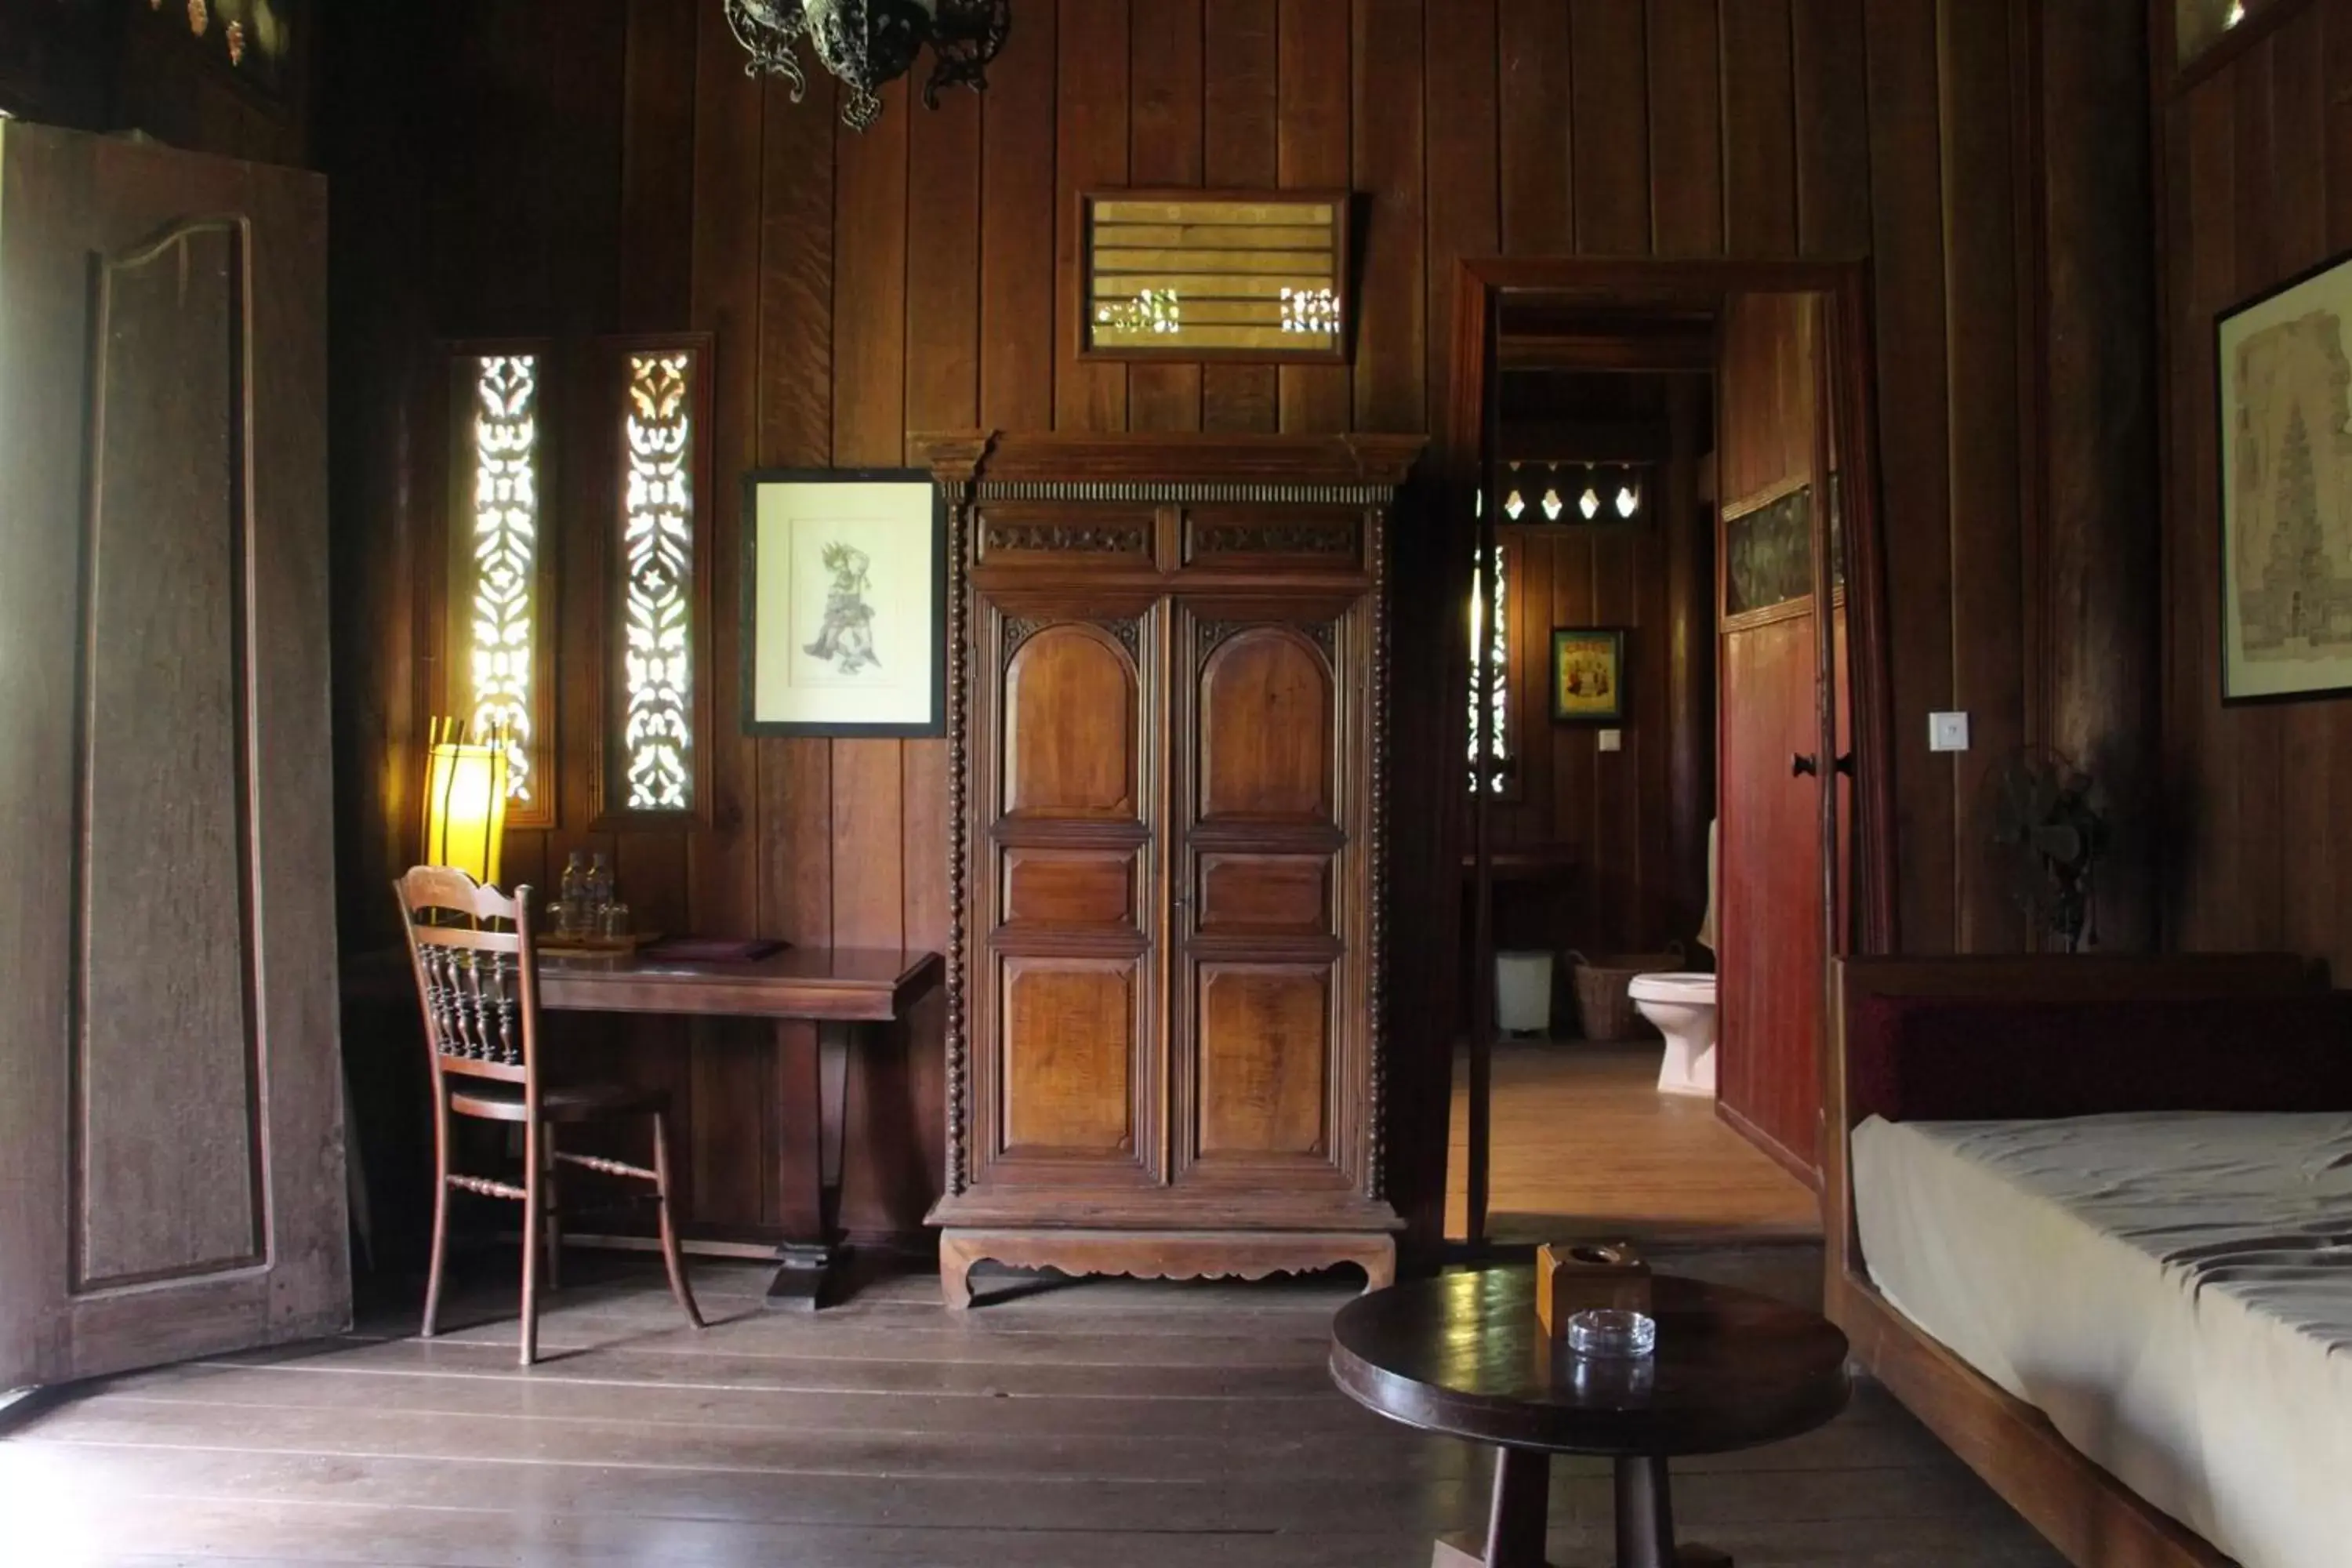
(842, 990)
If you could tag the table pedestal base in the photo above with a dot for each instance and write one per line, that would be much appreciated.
(1515, 1529)
(811, 1177)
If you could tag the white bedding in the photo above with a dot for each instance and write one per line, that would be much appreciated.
(2173, 1290)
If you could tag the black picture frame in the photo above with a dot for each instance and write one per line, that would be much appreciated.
(1612, 639)
(935, 621)
(2306, 292)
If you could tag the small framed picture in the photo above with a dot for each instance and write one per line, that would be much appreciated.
(845, 602)
(2286, 365)
(1588, 675)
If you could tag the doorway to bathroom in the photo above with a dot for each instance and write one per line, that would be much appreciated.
(1663, 470)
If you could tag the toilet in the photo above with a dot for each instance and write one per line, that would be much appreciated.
(1682, 1005)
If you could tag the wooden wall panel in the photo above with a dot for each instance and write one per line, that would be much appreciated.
(1166, 147)
(2256, 172)
(1988, 539)
(1313, 68)
(862, 287)
(1240, 94)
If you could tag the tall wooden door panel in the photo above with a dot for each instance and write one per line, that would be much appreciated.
(1268, 822)
(1072, 1088)
(171, 1155)
(1776, 756)
(1771, 919)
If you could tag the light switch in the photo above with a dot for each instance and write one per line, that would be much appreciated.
(1947, 732)
(1613, 739)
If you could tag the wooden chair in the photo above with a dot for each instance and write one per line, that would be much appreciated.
(477, 976)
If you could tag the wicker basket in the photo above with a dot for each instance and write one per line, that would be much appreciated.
(1608, 1013)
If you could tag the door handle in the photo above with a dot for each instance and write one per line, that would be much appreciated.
(1846, 763)
(1804, 764)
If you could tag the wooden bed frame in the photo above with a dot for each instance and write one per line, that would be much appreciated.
(2086, 1513)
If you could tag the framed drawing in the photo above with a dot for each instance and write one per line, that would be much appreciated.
(845, 602)
(1588, 675)
(1195, 275)
(2286, 490)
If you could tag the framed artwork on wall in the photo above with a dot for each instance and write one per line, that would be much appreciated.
(1588, 675)
(845, 602)
(2286, 489)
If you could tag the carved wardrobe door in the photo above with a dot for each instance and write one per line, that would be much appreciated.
(1163, 1032)
(1273, 832)
(1069, 713)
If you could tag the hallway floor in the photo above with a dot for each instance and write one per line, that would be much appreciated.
(1584, 1143)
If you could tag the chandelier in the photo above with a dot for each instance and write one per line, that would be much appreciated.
(867, 43)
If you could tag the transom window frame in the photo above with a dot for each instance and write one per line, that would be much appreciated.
(611, 360)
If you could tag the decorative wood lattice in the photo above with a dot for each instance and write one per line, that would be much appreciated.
(657, 545)
(504, 595)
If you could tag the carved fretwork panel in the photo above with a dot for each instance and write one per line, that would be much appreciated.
(1064, 537)
(658, 558)
(1314, 539)
(500, 569)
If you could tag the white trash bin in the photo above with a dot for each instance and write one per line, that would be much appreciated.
(1523, 993)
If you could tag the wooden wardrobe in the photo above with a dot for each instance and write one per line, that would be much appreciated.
(1166, 715)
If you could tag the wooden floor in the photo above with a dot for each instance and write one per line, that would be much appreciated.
(1583, 1143)
(1146, 1426)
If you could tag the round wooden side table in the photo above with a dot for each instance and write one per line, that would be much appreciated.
(1464, 1354)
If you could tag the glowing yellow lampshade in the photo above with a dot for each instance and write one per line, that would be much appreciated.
(465, 803)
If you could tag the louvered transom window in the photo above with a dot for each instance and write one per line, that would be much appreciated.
(656, 598)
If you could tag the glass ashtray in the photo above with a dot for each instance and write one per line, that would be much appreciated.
(1610, 1331)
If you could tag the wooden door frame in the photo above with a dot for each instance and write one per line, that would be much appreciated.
(1479, 284)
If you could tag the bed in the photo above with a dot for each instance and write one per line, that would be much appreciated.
(2093, 1223)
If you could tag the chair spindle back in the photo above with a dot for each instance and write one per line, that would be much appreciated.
(478, 984)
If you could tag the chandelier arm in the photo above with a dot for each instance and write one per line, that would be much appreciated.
(768, 29)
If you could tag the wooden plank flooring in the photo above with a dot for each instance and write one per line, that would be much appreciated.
(1142, 1424)
(1583, 1143)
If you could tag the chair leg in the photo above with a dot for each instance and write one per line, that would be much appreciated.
(555, 1214)
(440, 1214)
(677, 1285)
(533, 1191)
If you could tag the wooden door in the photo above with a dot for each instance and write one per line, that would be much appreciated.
(170, 1134)
(1070, 731)
(1271, 795)
(1772, 761)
